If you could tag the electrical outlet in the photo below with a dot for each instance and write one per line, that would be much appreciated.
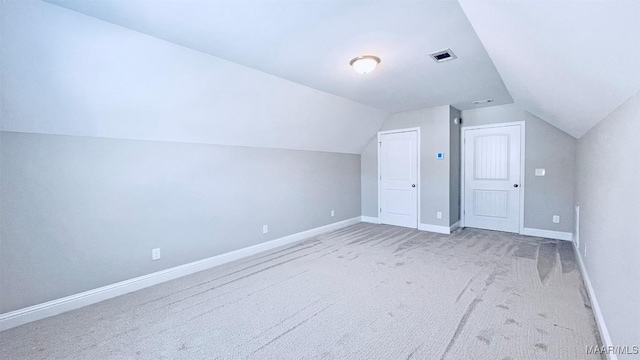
(265, 229)
(439, 214)
(333, 213)
(155, 254)
(556, 219)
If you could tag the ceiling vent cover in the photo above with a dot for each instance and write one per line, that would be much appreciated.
(443, 55)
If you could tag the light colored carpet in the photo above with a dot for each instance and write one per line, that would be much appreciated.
(363, 292)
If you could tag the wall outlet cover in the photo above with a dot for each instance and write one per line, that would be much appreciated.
(540, 172)
(155, 254)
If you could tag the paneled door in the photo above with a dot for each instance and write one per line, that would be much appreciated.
(492, 176)
(399, 178)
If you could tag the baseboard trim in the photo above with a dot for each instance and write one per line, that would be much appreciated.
(72, 302)
(558, 235)
(602, 326)
(370, 219)
(423, 227)
(435, 228)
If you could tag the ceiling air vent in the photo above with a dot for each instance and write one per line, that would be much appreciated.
(443, 55)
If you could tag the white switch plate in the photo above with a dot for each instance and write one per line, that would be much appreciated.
(333, 213)
(439, 215)
(556, 219)
(540, 172)
(155, 254)
(265, 229)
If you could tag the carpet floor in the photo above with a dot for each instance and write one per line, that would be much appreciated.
(363, 292)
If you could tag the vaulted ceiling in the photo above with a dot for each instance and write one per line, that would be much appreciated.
(569, 62)
(311, 43)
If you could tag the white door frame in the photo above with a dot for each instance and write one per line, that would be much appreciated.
(522, 167)
(417, 157)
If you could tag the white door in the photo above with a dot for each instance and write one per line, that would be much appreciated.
(399, 178)
(492, 178)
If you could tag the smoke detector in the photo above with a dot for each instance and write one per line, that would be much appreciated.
(443, 55)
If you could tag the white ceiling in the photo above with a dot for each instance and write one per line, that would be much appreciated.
(311, 43)
(569, 62)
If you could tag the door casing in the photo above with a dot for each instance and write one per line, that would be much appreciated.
(522, 167)
(418, 184)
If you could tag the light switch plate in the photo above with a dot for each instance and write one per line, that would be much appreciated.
(540, 172)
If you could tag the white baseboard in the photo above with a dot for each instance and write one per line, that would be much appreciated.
(72, 302)
(602, 326)
(370, 219)
(435, 228)
(558, 235)
(423, 227)
(454, 227)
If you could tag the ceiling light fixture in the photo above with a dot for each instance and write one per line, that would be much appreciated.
(364, 64)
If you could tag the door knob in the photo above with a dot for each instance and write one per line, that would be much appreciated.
(515, 185)
(413, 185)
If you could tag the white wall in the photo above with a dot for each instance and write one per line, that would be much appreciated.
(67, 73)
(608, 183)
(545, 147)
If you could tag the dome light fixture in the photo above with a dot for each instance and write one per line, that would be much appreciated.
(364, 64)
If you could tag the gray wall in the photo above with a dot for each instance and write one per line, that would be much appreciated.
(546, 147)
(82, 212)
(434, 174)
(608, 183)
(454, 167)
(369, 181)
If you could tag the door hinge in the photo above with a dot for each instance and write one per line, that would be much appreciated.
(380, 209)
(380, 143)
